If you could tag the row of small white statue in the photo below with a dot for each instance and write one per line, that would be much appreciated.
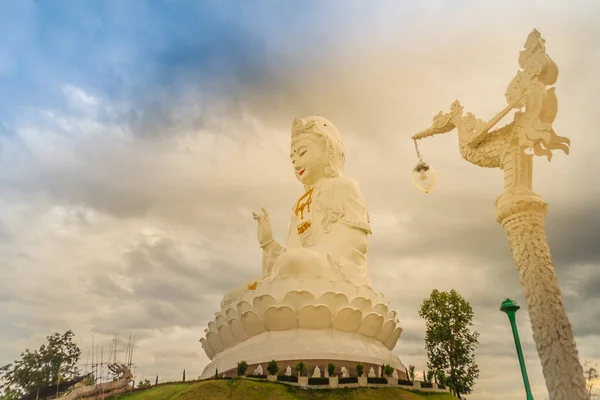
(317, 372)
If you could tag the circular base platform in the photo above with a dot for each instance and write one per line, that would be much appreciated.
(304, 344)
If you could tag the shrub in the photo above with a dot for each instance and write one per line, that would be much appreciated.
(441, 386)
(377, 380)
(146, 383)
(284, 378)
(330, 369)
(273, 367)
(301, 368)
(352, 379)
(426, 385)
(405, 383)
(388, 370)
(318, 381)
(259, 376)
(430, 375)
(360, 369)
(242, 367)
(411, 372)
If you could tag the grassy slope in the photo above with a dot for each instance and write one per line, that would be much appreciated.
(243, 389)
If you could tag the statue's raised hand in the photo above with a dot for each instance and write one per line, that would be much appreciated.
(264, 231)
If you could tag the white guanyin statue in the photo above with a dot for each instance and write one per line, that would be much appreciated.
(288, 371)
(372, 373)
(329, 222)
(313, 299)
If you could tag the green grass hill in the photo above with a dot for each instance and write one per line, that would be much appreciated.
(246, 389)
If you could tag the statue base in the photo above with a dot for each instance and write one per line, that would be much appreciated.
(312, 346)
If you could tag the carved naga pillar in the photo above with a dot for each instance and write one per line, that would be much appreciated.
(520, 211)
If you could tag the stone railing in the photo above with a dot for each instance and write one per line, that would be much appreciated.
(334, 382)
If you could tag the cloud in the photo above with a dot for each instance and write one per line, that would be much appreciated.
(133, 151)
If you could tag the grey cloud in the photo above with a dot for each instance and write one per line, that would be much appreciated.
(378, 93)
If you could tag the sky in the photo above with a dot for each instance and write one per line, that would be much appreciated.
(137, 137)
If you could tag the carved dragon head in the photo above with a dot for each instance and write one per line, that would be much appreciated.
(443, 122)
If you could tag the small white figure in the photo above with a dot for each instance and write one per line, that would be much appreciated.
(317, 373)
(372, 373)
(288, 371)
(345, 373)
(258, 370)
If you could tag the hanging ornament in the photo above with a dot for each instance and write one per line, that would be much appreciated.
(423, 175)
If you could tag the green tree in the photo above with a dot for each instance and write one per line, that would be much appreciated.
(430, 375)
(242, 367)
(142, 385)
(330, 369)
(360, 369)
(388, 370)
(449, 341)
(411, 372)
(42, 367)
(301, 368)
(273, 367)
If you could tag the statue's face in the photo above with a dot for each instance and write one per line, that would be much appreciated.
(309, 158)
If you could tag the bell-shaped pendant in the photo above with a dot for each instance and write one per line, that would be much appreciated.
(423, 177)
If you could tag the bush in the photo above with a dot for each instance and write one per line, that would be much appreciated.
(377, 381)
(388, 370)
(405, 383)
(441, 386)
(430, 375)
(301, 368)
(242, 367)
(145, 384)
(330, 369)
(259, 376)
(360, 369)
(426, 385)
(273, 367)
(352, 379)
(318, 381)
(284, 378)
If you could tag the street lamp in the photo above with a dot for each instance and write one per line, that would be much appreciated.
(423, 175)
(521, 211)
(511, 307)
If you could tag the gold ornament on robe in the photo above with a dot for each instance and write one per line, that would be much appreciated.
(253, 285)
(304, 202)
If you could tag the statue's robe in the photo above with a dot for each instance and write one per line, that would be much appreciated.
(328, 236)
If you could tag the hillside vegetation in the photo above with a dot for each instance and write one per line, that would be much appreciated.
(246, 389)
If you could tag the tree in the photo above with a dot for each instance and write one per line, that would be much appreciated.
(388, 370)
(449, 341)
(411, 372)
(591, 375)
(242, 367)
(360, 369)
(430, 376)
(273, 367)
(330, 369)
(145, 384)
(42, 367)
(301, 368)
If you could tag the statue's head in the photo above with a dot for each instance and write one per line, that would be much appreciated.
(317, 150)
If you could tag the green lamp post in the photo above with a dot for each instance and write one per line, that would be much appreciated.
(510, 307)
